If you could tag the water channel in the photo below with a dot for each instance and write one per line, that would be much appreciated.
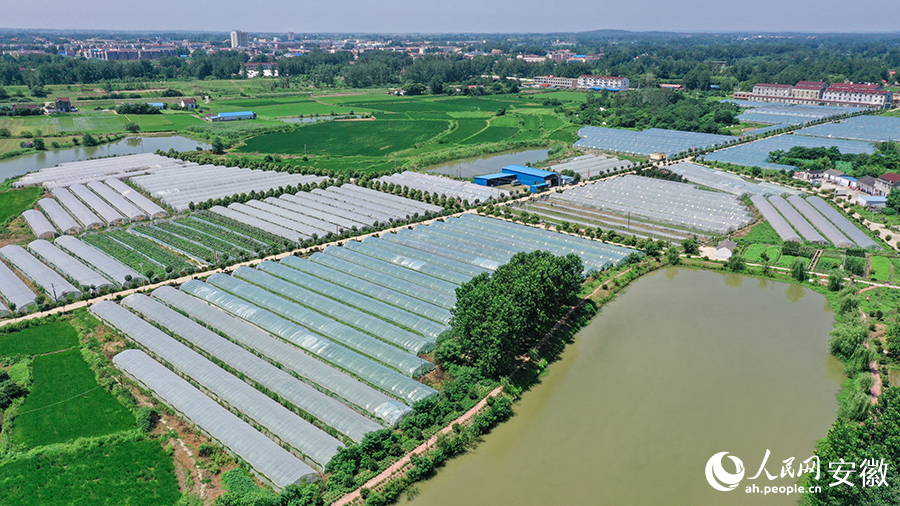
(682, 365)
(14, 167)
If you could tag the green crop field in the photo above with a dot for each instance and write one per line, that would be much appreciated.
(38, 340)
(762, 232)
(348, 138)
(880, 268)
(465, 128)
(66, 402)
(14, 202)
(134, 473)
(788, 261)
(886, 300)
(827, 263)
(492, 134)
(753, 253)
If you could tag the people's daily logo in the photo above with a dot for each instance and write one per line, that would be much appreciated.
(718, 477)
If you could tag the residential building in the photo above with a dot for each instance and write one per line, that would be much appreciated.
(555, 82)
(808, 91)
(188, 103)
(63, 104)
(865, 95)
(764, 92)
(886, 182)
(603, 82)
(239, 39)
(725, 249)
(866, 184)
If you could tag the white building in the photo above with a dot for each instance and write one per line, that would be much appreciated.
(608, 82)
(555, 82)
(239, 39)
(865, 95)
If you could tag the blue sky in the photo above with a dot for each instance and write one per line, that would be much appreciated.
(424, 16)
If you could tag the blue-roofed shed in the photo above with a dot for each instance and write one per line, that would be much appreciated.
(532, 176)
(158, 105)
(231, 116)
(497, 179)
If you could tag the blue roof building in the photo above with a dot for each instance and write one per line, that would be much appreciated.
(533, 177)
(497, 179)
(231, 116)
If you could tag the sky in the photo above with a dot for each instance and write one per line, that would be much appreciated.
(456, 16)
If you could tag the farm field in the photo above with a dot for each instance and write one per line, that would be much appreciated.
(14, 202)
(880, 268)
(754, 252)
(788, 261)
(39, 340)
(65, 394)
(137, 473)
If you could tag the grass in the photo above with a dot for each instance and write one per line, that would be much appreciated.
(38, 340)
(761, 233)
(886, 300)
(880, 268)
(14, 202)
(754, 252)
(465, 128)
(66, 402)
(788, 261)
(827, 263)
(134, 473)
(350, 138)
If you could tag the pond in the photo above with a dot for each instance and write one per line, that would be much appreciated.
(14, 167)
(487, 164)
(684, 364)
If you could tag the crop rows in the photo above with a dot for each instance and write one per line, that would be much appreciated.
(176, 242)
(152, 250)
(128, 256)
(243, 229)
(225, 234)
(217, 244)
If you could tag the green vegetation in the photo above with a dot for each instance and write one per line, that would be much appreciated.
(880, 268)
(107, 471)
(499, 317)
(66, 403)
(38, 340)
(761, 233)
(885, 159)
(754, 253)
(14, 202)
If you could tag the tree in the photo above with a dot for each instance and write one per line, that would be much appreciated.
(499, 317)
(4, 132)
(893, 200)
(798, 270)
(218, 147)
(735, 263)
(89, 140)
(672, 256)
(132, 127)
(39, 144)
(690, 247)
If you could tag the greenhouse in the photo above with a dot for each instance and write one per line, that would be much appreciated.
(402, 204)
(328, 221)
(392, 270)
(68, 265)
(726, 181)
(859, 128)
(798, 222)
(823, 225)
(98, 205)
(125, 207)
(324, 326)
(757, 152)
(228, 389)
(374, 306)
(64, 221)
(49, 280)
(466, 269)
(109, 266)
(15, 291)
(843, 224)
(306, 398)
(85, 171)
(647, 142)
(289, 357)
(265, 456)
(305, 200)
(337, 310)
(781, 226)
(396, 296)
(151, 208)
(588, 166)
(302, 223)
(373, 248)
(468, 255)
(256, 222)
(39, 224)
(76, 208)
(380, 376)
(385, 212)
(453, 241)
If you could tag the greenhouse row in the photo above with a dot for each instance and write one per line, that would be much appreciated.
(256, 406)
(109, 266)
(755, 153)
(647, 142)
(407, 253)
(291, 358)
(62, 220)
(859, 128)
(53, 284)
(148, 206)
(377, 375)
(726, 181)
(665, 202)
(39, 224)
(811, 219)
(380, 249)
(118, 201)
(461, 190)
(71, 267)
(324, 408)
(448, 251)
(85, 171)
(180, 187)
(367, 262)
(318, 213)
(14, 291)
(786, 114)
(588, 166)
(87, 218)
(264, 456)
(106, 212)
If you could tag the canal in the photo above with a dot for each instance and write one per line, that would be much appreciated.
(684, 364)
